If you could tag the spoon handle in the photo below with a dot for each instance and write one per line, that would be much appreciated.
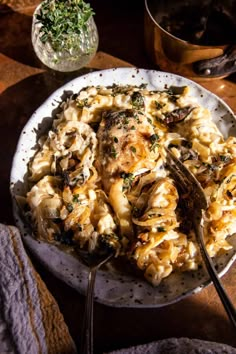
(86, 346)
(229, 307)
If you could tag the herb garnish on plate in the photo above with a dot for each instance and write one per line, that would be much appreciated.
(60, 19)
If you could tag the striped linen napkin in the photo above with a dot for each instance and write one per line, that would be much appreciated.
(30, 319)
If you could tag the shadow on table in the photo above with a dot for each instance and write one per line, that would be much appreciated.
(121, 30)
(117, 328)
(120, 328)
(15, 39)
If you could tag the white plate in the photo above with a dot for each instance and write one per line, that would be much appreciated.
(112, 287)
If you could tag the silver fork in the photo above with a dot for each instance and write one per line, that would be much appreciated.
(197, 203)
(93, 261)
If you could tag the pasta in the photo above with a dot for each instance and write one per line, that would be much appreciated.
(100, 174)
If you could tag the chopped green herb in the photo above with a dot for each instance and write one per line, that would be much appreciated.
(82, 103)
(128, 180)
(62, 18)
(109, 241)
(154, 142)
(137, 100)
(115, 139)
(69, 207)
(161, 229)
(154, 138)
(113, 152)
(224, 158)
(76, 198)
(159, 120)
(140, 112)
(122, 115)
(116, 89)
(133, 149)
(137, 118)
(159, 105)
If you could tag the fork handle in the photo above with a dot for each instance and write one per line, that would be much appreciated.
(86, 346)
(229, 307)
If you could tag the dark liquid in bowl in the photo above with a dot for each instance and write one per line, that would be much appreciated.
(202, 26)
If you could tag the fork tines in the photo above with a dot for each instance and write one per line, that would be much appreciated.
(186, 181)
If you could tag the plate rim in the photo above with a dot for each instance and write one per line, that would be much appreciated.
(53, 97)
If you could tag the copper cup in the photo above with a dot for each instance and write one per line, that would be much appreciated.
(180, 56)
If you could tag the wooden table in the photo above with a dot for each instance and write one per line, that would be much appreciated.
(24, 84)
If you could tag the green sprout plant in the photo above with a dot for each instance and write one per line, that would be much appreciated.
(67, 28)
(61, 19)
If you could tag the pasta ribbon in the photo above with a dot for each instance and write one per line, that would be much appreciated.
(100, 174)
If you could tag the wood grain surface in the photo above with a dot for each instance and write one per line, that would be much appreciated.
(24, 84)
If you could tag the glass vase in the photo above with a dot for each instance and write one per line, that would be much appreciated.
(83, 47)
